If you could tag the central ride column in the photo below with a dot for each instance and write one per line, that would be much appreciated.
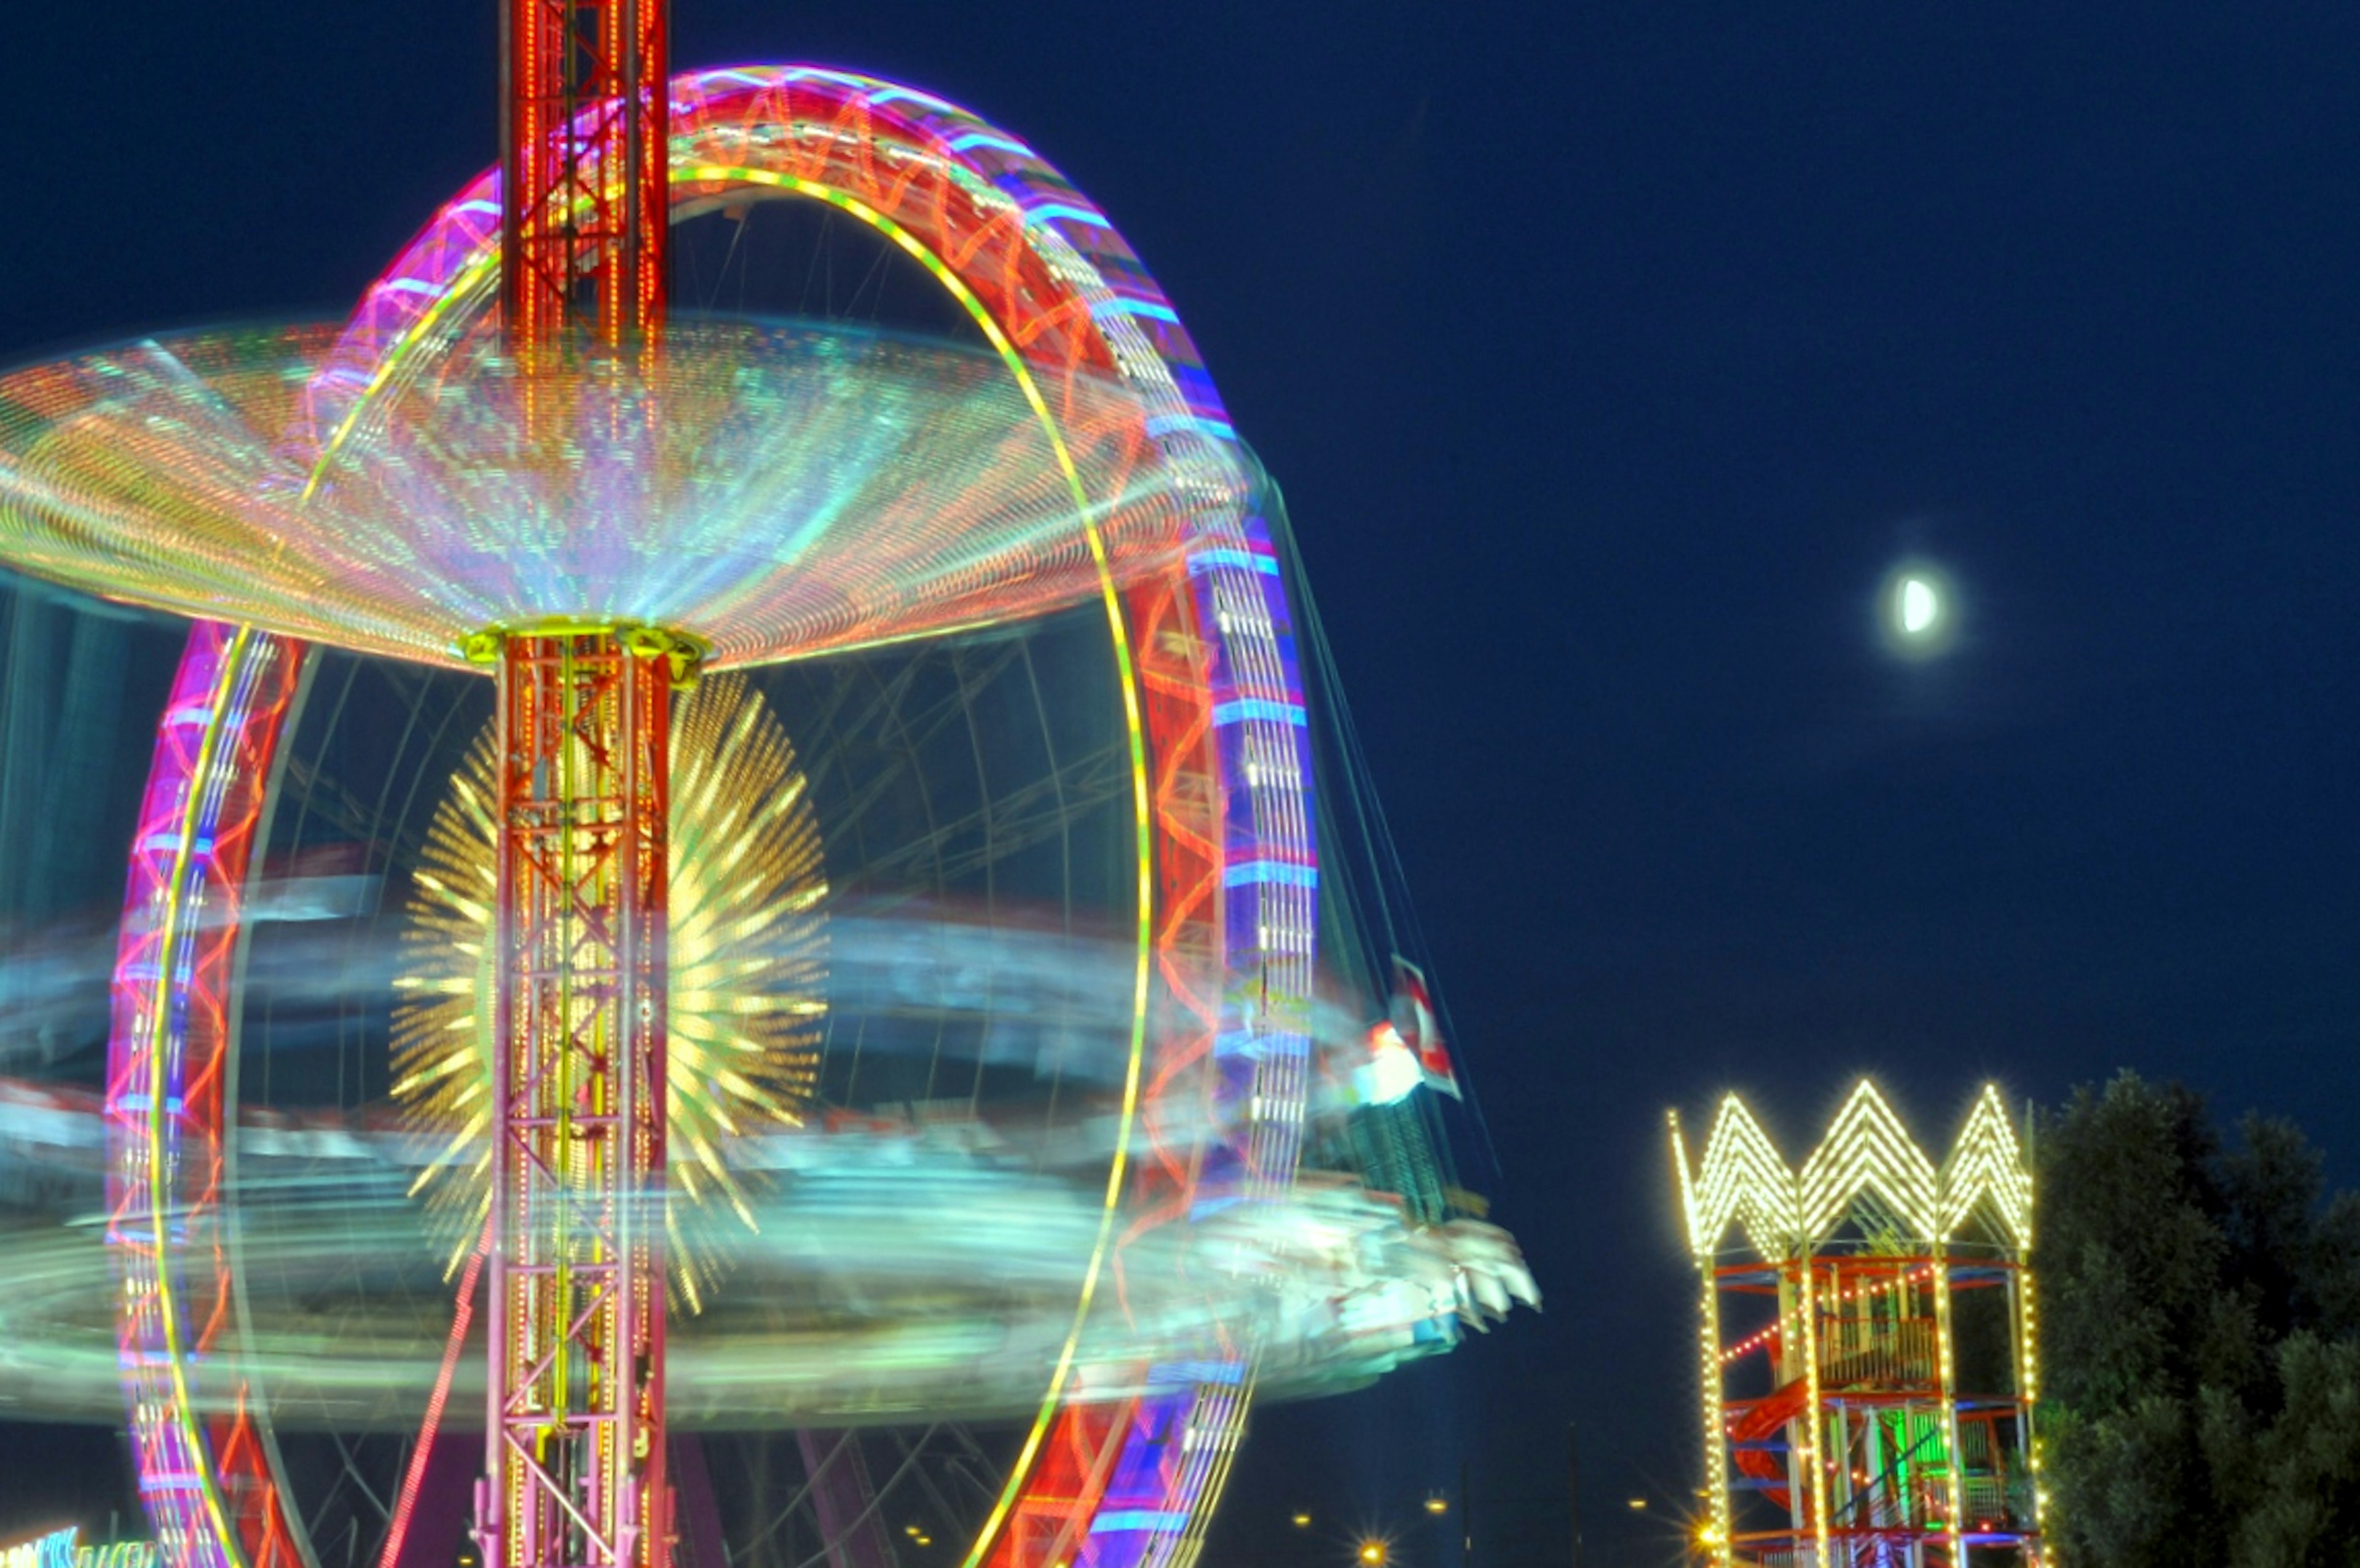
(575, 1473)
(576, 1454)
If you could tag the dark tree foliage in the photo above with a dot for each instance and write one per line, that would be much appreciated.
(2199, 1339)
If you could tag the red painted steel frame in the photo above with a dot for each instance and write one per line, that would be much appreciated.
(577, 1297)
(584, 131)
(1948, 1506)
(1051, 1524)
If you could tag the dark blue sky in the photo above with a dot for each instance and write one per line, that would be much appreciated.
(1609, 359)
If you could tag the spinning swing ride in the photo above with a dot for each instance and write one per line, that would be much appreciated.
(865, 970)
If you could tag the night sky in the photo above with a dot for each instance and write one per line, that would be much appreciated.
(1609, 362)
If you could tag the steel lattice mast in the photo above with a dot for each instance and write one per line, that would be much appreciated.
(576, 1424)
(584, 129)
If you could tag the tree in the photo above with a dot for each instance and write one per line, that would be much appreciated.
(2199, 1339)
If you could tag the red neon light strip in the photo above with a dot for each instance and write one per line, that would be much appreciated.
(415, 1476)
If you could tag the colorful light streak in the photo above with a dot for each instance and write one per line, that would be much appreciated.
(779, 492)
(914, 1274)
(64, 1549)
(166, 1059)
(1072, 300)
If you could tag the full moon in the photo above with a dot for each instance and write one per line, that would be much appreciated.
(1920, 606)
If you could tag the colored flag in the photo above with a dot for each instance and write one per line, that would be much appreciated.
(1420, 1030)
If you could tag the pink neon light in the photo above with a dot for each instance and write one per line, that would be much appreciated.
(415, 1476)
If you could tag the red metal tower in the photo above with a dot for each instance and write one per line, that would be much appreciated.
(576, 1424)
(584, 134)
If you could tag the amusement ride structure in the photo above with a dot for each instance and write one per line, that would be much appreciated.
(623, 1034)
(1868, 1350)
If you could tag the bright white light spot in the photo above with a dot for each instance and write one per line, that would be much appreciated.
(1392, 1070)
(1918, 613)
(1920, 606)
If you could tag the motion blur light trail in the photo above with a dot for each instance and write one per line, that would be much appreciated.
(779, 492)
(1160, 1193)
(1055, 1004)
(923, 1267)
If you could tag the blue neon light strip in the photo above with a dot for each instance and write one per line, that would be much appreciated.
(1204, 561)
(165, 844)
(1116, 1519)
(1244, 708)
(1281, 872)
(1066, 209)
(1152, 309)
(986, 139)
(911, 95)
(1164, 424)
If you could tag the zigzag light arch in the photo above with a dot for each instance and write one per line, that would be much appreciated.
(1740, 1179)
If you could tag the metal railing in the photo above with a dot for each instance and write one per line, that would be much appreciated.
(1873, 1353)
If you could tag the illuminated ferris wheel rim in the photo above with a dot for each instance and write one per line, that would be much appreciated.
(1057, 293)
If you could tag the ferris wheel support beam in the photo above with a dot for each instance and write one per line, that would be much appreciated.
(575, 1428)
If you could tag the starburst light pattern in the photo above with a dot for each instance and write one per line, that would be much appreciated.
(749, 968)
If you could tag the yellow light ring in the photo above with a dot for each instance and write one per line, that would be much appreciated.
(470, 282)
(188, 839)
(207, 791)
(1143, 821)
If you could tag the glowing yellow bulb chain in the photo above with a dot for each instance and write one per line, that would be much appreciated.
(1741, 1179)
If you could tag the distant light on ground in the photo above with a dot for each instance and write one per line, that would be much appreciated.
(1302, 1521)
(1438, 1504)
(1637, 1504)
(1372, 1551)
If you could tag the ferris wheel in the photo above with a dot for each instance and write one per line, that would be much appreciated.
(997, 1012)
